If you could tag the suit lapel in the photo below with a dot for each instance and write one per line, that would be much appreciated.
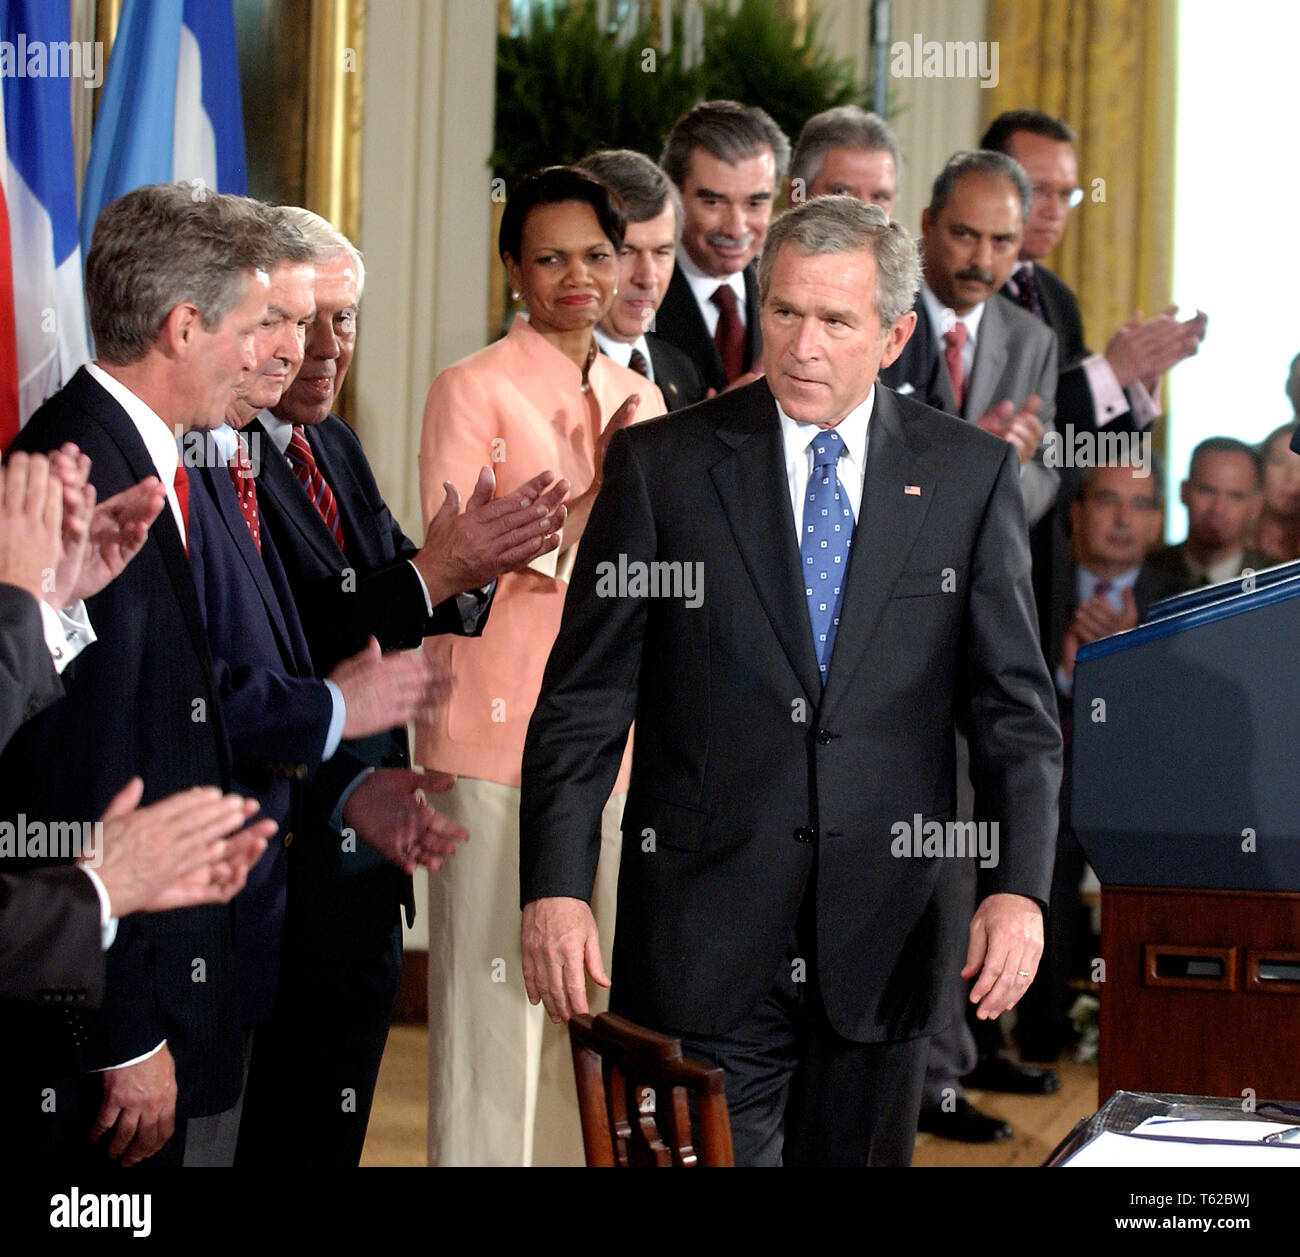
(688, 331)
(747, 482)
(362, 543)
(990, 359)
(889, 522)
(276, 480)
(209, 480)
(116, 423)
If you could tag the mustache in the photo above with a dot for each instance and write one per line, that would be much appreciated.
(720, 240)
(977, 274)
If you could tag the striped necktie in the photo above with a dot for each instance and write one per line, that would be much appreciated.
(309, 476)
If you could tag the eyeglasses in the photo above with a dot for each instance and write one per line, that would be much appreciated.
(1067, 197)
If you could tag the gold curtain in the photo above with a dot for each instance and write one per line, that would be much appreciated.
(1107, 67)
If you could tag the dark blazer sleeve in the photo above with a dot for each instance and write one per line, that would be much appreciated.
(51, 951)
(28, 681)
(590, 683)
(385, 598)
(1015, 742)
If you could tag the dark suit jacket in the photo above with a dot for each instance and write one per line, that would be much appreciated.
(277, 714)
(676, 375)
(342, 602)
(1074, 400)
(51, 951)
(680, 323)
(1171, 561)
(28, 681)
(142, 700)
(1015, 356)
(740, 760)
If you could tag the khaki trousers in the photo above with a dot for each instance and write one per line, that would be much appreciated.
(501, 1088)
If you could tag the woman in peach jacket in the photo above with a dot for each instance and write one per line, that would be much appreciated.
(542, 398)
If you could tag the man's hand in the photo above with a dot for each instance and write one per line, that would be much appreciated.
(1094, 620)
(559, 944)
(384, 691)
(140, 1102)
(464, 550)
(1022, 427)
(117, 532)
(1006, 942)
(389, 812)
(1145, 351)
(31, 525)
(190, 848)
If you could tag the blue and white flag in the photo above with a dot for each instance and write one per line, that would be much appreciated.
(170, 107)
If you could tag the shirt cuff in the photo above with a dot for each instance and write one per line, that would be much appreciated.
(1108, 399)
(338, 718)
(1145, 407)
(67, 632)
(135, 1060)
(472, 604)
(424, 589)
(107, 921)
(336, 816)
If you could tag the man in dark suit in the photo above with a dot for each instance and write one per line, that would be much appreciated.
(647, 261)
(794, 728)
(973, 353)
(288, 729)
(1113, 390)
(1105, 589)
(174, 291)
(353, 575)
(726, 160)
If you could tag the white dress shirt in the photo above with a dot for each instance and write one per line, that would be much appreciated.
(852, 468)
(620, 351)
(704, 286)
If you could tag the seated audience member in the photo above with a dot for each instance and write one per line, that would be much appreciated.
(1105, 589)
(1277, 534)
(1223, 496)
(646, 260)
(727, 161)
(846, 151)
(501, 1077)
(974, 353)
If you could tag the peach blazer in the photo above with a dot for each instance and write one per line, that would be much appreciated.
(517, 406)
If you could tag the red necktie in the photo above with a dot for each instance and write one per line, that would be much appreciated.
(181, 483)
(1102, 589)
(955, 339)
(1027, 290)
(729, 336)
(241, 476)
(309, 476)
(638, 363)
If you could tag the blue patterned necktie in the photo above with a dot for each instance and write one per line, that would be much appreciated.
(827, 536)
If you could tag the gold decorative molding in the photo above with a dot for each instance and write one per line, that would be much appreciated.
(335, 105)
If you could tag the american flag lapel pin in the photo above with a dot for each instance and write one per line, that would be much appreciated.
(912, 490)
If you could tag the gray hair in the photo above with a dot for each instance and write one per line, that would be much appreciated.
(160, 246)
(842, 224)
(990, 165)
(845, 126)
(642, 185)
(325, 240)
(727, 130)
(289, 246)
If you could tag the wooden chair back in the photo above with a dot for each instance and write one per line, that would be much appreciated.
(633, 1085)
